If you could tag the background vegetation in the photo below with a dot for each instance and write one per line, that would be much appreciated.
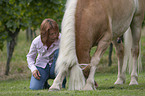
(25, 14)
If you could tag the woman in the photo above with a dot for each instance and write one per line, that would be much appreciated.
(46, 47)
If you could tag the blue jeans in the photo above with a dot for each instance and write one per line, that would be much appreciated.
(46, 73)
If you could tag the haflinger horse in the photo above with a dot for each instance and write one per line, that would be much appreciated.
(87, 23)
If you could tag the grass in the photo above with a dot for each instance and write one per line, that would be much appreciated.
(105, 81)
(17, 83)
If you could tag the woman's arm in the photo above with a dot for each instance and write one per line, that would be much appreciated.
(31, 57)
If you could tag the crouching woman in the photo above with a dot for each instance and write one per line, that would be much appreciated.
(43, 54)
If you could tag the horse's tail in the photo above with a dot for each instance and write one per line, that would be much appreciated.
(127, 53)
(67, 59)
(77, 80)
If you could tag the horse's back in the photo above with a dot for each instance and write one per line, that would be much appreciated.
(117, 13)
(122, 12)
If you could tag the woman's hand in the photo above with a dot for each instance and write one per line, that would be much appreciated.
(36, 74)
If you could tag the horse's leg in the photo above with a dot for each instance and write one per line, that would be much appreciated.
(120, 54)
(136, 34)
(57, 83)
(101, 48)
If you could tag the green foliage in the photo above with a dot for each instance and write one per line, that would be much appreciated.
(24, 13)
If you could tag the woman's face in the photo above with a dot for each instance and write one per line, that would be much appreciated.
(53, 35)
(49, 37)
(49, 31)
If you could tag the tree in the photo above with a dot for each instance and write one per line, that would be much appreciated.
(21, 14)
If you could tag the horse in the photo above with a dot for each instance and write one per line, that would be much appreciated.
(87, 23)
(128, 57)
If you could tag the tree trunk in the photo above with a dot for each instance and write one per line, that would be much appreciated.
(30, 34)
(10, 50)
(10, 47)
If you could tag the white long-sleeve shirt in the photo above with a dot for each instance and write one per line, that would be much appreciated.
(44, 55)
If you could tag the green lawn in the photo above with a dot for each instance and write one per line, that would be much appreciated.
(105, 82)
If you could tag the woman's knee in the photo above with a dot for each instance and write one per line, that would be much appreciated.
(36, 84)
(35, 87)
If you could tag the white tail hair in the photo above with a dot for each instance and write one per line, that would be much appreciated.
(67, 59)
(127, 53)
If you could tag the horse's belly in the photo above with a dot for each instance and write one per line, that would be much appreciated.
(122, 15)
(119, 29)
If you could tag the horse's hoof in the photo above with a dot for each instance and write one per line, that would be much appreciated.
(85, 88)
(88, 87)
(53, 89)
(119, 81)
(133, 81)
